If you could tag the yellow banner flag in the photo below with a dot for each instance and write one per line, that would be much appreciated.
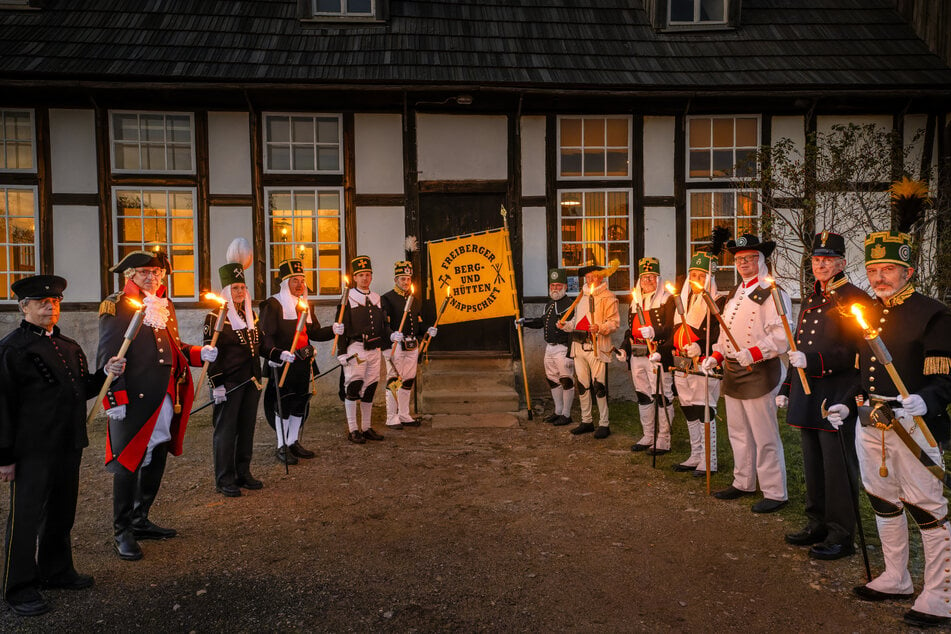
(476, 269)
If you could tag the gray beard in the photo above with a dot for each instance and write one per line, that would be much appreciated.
(556, 295)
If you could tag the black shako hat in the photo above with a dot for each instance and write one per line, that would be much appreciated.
(136, 259)
(39, 287)
(749, 242)
(828, 244)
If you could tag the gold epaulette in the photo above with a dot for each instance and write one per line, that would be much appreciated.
(108, 305)
(937, 365)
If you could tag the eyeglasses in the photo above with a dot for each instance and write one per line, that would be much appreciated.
(147, 273)
(746, 258)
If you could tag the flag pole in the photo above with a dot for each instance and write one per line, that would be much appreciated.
(518, 327)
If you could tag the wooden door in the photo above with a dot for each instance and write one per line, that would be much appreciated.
(444, 216)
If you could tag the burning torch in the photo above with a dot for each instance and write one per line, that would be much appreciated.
(130, 334)
(219, 326)
(712, 307)
(777, 300)
(343, 303)
(301, 322)
(885, 358)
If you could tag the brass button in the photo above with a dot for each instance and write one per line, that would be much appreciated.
(871, 389)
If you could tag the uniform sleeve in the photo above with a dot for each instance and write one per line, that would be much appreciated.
(612, 319)
(316, 332)
(664, 330)
(111, 335)
(534, 322)
(773, 341)
(937, 390)
(9, 406)
(267, 325)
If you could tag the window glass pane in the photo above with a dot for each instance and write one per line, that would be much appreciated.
(125, 127)
(327, 6)
(328, 159)
(153, 128)
(22, 155)
(127, 157)
(746, 132)
(180, 157)
(701, 204)
(303, 157)
(617, 135)
(699, 163)
(278, 129)
(154, 157)
(570, 229)
(328, 230)
(571, 132)
(302, 129)
(279, 158)
(618, 204)
(711, 10)
(723, 204)
(179, 129)
(681, 10)
(593, 162)
(723, 133)
(617, 162)
(130, 229)
(746, 163)
(328, 130)
(594, 132)
(700, 133)
(571, 163)
(722, 162)
(359, 6)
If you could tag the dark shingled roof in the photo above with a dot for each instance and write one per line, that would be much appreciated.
(781, 44)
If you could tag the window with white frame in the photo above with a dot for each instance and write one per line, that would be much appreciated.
(17, 141)
(721, 147)
(346, 8)
(153, 142)
(594, 147)
(160, 220)
(595, 229)
(737, 210)
(307, 224)
(689, 12)
(302, 143)
(18, 243)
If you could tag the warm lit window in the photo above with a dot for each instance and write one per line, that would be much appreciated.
(721, 147)
(17, 236)
(697, 12)
(152, 142)
(594, 147)
(736, 210)
(302, 143)
(354, 8)
(595, 229)
(307, 224)
(16, 141)
(160, 219)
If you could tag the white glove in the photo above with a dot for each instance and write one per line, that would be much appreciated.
(218, 394)
(654, 358)
(782, 401)
(797, 359)
(396, 336)
(116, 413)
(744, 357)
(209, 353)
(837, 413)
(913, 405)
(693, 350)
(621, 355)
(519, 321)
(708, 365)
(287, 357)
(274, 364)
(115, 366)
(647, 332)
(343, 360)
(431, 331)
(338, 329)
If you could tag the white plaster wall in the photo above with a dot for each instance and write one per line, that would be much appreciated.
(790, 128)
(229, 153)
(659, 156)
(533, 156)
(73, 151)
(461, 147)
(226, 224)
(381, 235)
(914, 140)
(660, 236)
(534, 252)
(75, 254)
(378, 149)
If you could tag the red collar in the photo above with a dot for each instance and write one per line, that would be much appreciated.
(133, 290)
(753, 281)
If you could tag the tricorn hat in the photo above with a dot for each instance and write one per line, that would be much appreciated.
(135, 259)
(39, 287)
(603, 271)
(749, 242)
(828, 244)
(290, 268)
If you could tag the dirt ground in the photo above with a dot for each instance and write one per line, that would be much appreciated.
(519, 529)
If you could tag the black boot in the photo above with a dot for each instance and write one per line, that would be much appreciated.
(150, 479)
(124, 485)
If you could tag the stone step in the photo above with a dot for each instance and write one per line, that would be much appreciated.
(453, 401)
(465, 421)
(468, 383)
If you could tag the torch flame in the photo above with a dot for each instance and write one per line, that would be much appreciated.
(448, 291)
(412, 288)
(670, 288)
(696, 285)
(215, 298)
(770, 281)
(591, 286)
(857, 311)
(138, 305)
(301, 303)
(346, 281)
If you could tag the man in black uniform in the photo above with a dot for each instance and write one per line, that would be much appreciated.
(44, 385)
(236, 370)
(917, 333)
(827, 339)
(402, 359)
(148, 406)
(559, 366)
(280, 344)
